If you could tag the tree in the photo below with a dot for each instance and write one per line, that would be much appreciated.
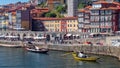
(50, 14)
(61, 8)
(81, 5)
(43, 4)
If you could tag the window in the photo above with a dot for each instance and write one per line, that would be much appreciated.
(102, 18)
(80, 20)
(102, 12)
(80, 14)
(92, 18)
(80, 25)
(108, 12)
(70, 25)
(74, 25)
(102, 24)
(73, 20)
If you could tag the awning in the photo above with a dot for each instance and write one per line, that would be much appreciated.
(11, 36)
(73, 35)
(68, 34)
(77, 35)
(39, 37)
(1, 36)
(93, 33)
(28, 37)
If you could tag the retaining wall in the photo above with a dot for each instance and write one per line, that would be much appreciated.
(104, 50)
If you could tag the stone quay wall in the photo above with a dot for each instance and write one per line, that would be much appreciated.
(93, 49)
(100, 50)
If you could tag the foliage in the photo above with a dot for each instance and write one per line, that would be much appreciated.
(43, 4)
(56, 13)
(61, 9)
(50, 14)
(81, 5)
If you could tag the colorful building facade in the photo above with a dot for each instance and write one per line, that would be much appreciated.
(102, 16)
(69, 24)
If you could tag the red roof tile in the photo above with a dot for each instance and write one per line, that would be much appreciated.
(66, 18)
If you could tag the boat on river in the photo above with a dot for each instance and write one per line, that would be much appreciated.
(88, 58)
(40, 50)
(37, 49)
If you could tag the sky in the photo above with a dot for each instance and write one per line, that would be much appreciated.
(3, 2)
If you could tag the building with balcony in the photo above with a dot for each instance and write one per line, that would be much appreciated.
(102, 16)
(4, 21)
(12, 20)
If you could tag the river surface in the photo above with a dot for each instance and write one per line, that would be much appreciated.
(20, 58)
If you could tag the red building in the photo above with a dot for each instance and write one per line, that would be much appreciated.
(102, 16)
(63, 26)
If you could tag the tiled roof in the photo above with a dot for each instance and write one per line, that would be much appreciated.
(98, 2)
(111, 8)
(39, 10)
(105, 2)
(88, 7)
(66, 18)
(81, 10)
(13, 13)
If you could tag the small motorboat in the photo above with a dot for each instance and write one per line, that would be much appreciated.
(89, 58)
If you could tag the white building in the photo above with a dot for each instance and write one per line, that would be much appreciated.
(72, 7)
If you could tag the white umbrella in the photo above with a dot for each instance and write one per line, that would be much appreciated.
(68, 34)
(11, 36)
(28, 37)
(1, 36)
(39, 37)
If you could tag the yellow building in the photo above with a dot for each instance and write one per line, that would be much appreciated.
(72, 25)
(68, 24)
(52, 25)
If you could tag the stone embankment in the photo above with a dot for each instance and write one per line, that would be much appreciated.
(103, 50)
(6, 43)
(96, 49)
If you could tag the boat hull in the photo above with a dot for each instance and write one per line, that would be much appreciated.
(92, 58)
(43, 50)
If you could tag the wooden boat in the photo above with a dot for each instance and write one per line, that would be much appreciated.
(33, 48)
(41, 50)
(90, 58)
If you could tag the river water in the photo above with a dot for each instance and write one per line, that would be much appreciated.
(20, 58)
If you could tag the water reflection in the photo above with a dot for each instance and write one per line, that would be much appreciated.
(86, 62)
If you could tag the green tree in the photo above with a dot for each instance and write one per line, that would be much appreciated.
(61, 8)
(43, 4)
(50, 14)
(81, 5)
